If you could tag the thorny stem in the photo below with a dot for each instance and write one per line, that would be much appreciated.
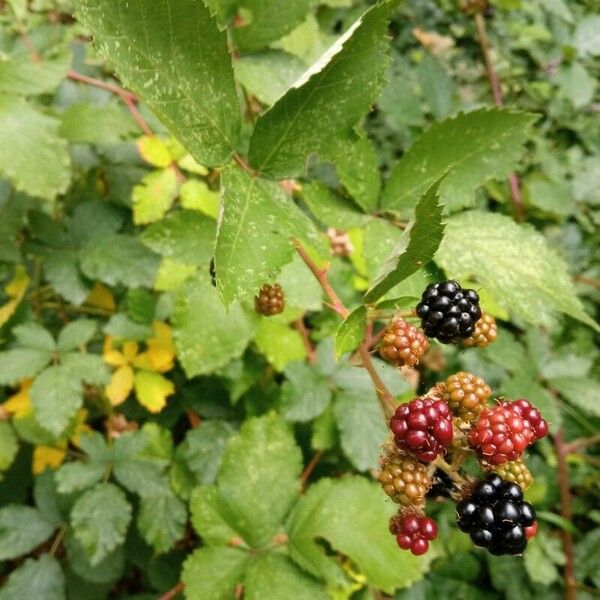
(386, 400)
(494, 79)
(566, 512)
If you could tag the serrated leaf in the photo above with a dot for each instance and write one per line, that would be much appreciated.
(359, 531)
(319, 110)
(119, 258)
(213, 572)
(75, 334)
(56, 397)
(35, 336)
(279, 343)
(259, 478)
(61, 269)
(8, 446)
(584, 393)
(273, 576)
(41, 578)
(21, 363)
(206, 336)
(154, 196)
(106, 571)
(417, 246)
(185, 236)
(89, 368)
(155, 151)
(526, 276)
(304, 393)
(32, 155)
(207, 519)
(256, 226)
(196, 195)
(121, 326)
(22, 529)
(152, 390)
(78, 475)
(471, 148)
(21, 75)
(538, 559)
(267, 22)
(100, 519)
(177, 60)
(351, 331)
(94, 124)
(94, 219)
(161, 520)
(268, 75)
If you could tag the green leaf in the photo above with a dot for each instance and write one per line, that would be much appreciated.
(100, 519)
(259, 478)
(8, 446)
(78, 475)
(106, 571)
(319, 111)
(304, 393)
(21, 75)
(256, 227)
(75, 334)
(154, 196)
(42, 578)
(362, 427)
(32, 155)
(526, 276)
(351, 331)
(177, 60)
(206, 336)
(359, 531)
(22, 529)
(161, 520)
(416, 247)
(185, 236)
(279, 343)
(119, 258)
(268, 21)
(273, 577)
(471, 147)
(584, 393)
(121, 326)
(35, 336)
(56, 397)
(207, 519)
(213, 573)
(85, 123)
(196, 195)
(61, 269)
(539, 560)
(94, 219)
(330, 208)
(21, 363)
(89, 368)
(269, 74)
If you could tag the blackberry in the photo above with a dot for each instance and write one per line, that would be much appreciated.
(496, 516)
(515, 471)
(466, 395)
(402, 343)
(404, 480)
(486, 332)
(413, 531)
(448, 312)
(423, 427)
(442, 485)
(270, 300)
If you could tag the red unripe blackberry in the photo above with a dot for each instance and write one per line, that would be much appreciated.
(516, 471)
(486, 332)
(448, 312)
(413, 532)
(270, 300)
(531, 531)
(504, 431)
(403, 343)
(404, 480)
(466, 395)
(423, 427)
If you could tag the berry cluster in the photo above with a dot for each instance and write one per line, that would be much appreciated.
(448, 312)
(496, 516)
(413, 531)
(404, 479)
(270, 300)
(402, 343)
(486, 332)
(466, 395)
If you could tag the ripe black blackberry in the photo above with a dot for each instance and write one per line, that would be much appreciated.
(270, 300)
(448, 312)
(496, 516)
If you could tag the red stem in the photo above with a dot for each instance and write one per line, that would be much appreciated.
(173, 592)
(310, 349)
(310, 467)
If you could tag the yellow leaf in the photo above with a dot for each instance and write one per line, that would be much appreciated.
(172, 275)
(154, 196)
(120, 385)
(15, 289)
(154, 151)
(188, 163)
(152, 390)
(130, 351)
(161, 350)
(47, 456)
(195, 195)
(20, 403)
(81, 427)
(101, 297)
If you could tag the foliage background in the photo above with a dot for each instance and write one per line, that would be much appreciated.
(147, 434)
